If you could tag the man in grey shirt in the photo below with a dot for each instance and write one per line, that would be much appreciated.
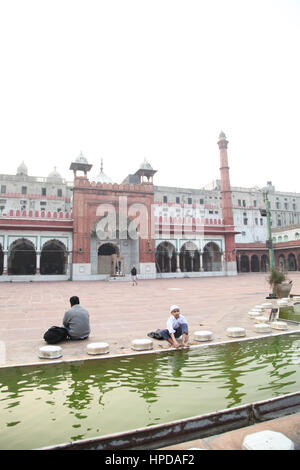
(76, 320)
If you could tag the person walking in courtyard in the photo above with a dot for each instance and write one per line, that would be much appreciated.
(176, 326)
(133, 276)
(76, 320)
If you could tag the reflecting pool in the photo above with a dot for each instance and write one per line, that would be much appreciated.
(50, 404)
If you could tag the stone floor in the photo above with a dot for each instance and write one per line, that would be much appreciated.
(289, 426)
(120, 312)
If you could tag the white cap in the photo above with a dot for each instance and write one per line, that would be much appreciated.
(174, 307)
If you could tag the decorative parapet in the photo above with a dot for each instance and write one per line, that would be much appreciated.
(197, 221)
(36, 196)
(83, 182)
(33, 214)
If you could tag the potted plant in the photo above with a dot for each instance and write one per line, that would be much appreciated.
(279, 282)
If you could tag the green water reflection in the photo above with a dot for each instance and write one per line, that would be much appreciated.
(288, 313)
(45, 405)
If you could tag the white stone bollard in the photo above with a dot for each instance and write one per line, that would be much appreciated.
(97, 348)
(236, 331)
(282, 303)
(203, 335)
(267, 440)
(254, 314)
(50, 352)
(262, 328)
(267, 305)
(141, 344)
(279, 325)
(262, 319)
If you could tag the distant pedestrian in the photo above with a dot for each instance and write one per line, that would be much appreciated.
(133, 276)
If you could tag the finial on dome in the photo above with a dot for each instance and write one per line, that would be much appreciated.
(102, 177)
(54, 175)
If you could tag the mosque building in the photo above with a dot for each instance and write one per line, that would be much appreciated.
(94, 228)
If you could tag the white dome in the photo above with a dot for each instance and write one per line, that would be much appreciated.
(145, 165)
(81, 158)
(22, 169)
(54, 175)
(102, 177)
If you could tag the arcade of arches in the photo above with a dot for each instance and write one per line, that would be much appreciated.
(188, 259)
(24, 259)
(255, 262)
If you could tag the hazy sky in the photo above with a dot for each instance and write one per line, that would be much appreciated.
(127, 79)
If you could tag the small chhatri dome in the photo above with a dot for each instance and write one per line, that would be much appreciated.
(54, 175)
(146, 165)
(81, 158)
(22, 169)
(102, 177)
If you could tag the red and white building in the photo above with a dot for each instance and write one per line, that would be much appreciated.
(95, 228)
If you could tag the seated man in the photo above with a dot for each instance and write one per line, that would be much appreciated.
(76, 320)
(176, 326)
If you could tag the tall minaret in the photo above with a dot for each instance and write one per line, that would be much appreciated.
(227, 210)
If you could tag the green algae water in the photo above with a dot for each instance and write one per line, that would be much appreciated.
(289, 314)
(51, 404)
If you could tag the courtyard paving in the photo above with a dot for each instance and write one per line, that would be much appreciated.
(120, 312)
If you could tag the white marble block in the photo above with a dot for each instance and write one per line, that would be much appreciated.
(267, 305)
(262, 328)
(254, 314)
(97, 348)
(267, 440)
(50, 352)
(235, 331)
(141, 344)
(203, 335)
(279, 325)
(262, 319)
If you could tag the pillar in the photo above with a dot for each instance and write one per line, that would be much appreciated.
(192, 260)
(170, 263)
(4, 262)
(38, 262)
(201, 261)
(178, 262)
(227, 209)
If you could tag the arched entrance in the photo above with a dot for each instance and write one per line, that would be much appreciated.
(292, 266)
(114, 256)
(21, 258)
(264, 263)
(53, 258)
(107, 259)
(245, 267)
(281, 262)
(254, 264)
(165, 258)
(212, 257)
(189, 257)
